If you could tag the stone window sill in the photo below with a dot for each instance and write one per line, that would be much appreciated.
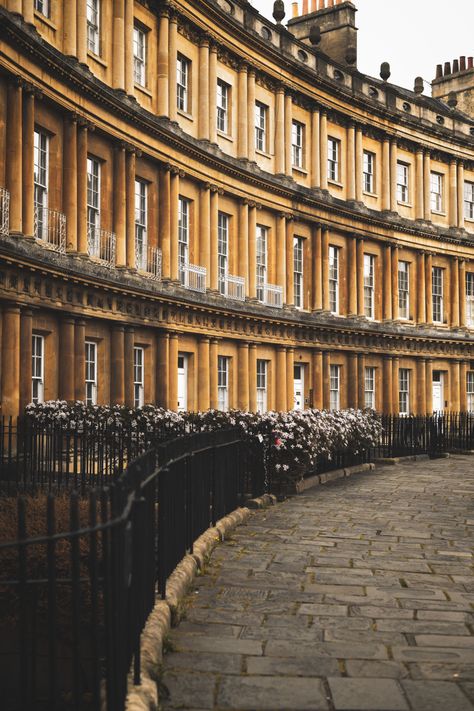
(45, 20)
(185, 115)
(143, 90)
(225, 136)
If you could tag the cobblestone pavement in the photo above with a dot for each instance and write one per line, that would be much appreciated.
(354, 596)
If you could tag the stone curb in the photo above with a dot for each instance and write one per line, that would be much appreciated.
(166, 613)
(391, 461)
(319, 479)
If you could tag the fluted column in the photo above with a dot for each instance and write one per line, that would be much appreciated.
(243, 376)
(316, 260)
(163, 64)
(242, 118)
(386, 174)
(66, 359)
(252, 256)
(251, 115)
(352, 380)
(253, 377)
(387, 385)
(421, 386)
(172, 61)
(14, 152)
(360, 277)
(326, 380)
(288, 132)
(70, 28)
(173, 225)
(28, 162)
(212, 93)
(82, 189)
(427, 185)
(28, 11)
(128, 38)
(421, 288)
(315, 149)
(463, 387)
(213, 231)
(290, 379)
(325, 267)
(118, 45)
(429, 386)
(15, 6)
(81, 31)
(203, 374)
(360, 380)
(128, 367)
(173, 371)
(162, 370)
(204, 233)
(80, 360)
(350, 168)
(120, 205)
(353, 275)
(130, 162)
(10, 363)
(117, 365)
(323, 153)
(394, 275)
(462, 293)
(317, 382)
(395, 379)
(429, 288)
(419, 202)
(290, 275)
(203, 98)
(359, 164)
(454, 292)
(460, 194)
(166, 236)
(26, 338)
(453, 194)
(70, 180)
(280, 130)
(281, 252)
(213, 380)
(393, 176)
(455, 385)
(281, 382)
(387, 282)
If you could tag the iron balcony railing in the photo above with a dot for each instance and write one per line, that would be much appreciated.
(4, 211)
(233, 287)
(273, 295)
(101, 245)
(148, 260)
(193, 277)
(50, 228)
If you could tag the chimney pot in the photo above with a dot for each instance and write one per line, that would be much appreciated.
(455, 66)
(447, 69)
(294, 9)
(462, 64)
(470, 62)
(439, 71)
(305, 9)
(314, 5)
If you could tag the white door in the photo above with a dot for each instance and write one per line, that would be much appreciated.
(438, 392)
(299, 387)
(182, 383)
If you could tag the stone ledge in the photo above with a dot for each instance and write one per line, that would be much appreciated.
(391, 461)
(327, 477)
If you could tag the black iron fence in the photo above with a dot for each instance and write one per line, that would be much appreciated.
(434, 435)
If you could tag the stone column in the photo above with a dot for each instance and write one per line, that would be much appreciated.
(421, 288)
(460, 195)
(243, 376)
(165, 236)
(213, 381)
(70, 28)
(120, 205)
(203, 97)
(82, 31)
(163, 64)
(315, 150)
(243, 244)
(203, 374)
(360, 277)
(280, 130)
(28, 168)
(454, 292)
(353, 275)
(359, 164)
(387, 282)
(14, 152)
(316, 260)
(253, 377)
(323, 153)
(128, 35)
(395, 282)
(429, 287)
(453, 193)
(455, 386)
(28, 11)
(26, 338)
(80, 360)
(242, 118)
(117, 365)
(290, 379)
(421, 386)
(463, 386)
(162, 370)
(318, 380)
(10, 363)
(429, 386)
(325, 267)
(213, 230)
(350, 168)
(360, 380)
(173, 224)
(288, 132)
(212, 93)
(419, 202)
(395, 378)
(387, 385)
(82, 246)
(251, 114)
(15, 6)
(204, 232)
(280, 252)
(386, 174)
(427, 185)
(462, 293)
(326, 380)
(173, 371)
(290, 274)
(281, 397)
(66, 359)
(251, 283)
(130, 162)
(70, 180)
(172, 61)
(128, 366)
(352, 380)
(118, 45)
(393, 176)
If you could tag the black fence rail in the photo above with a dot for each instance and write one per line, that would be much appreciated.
(82, 573)
(433, 435)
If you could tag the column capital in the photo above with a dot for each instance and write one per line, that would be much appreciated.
(30, 88)
(204, 339)
(204, 40)
(243, 67)
(453, 161)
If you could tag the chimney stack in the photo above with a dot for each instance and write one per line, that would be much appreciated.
(454, 84)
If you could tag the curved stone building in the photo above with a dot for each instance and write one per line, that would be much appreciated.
(200, 208)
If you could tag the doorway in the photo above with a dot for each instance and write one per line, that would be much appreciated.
(182, 383)
(298, 402)
(438, 391)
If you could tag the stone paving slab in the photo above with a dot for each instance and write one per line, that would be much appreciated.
(356, 596)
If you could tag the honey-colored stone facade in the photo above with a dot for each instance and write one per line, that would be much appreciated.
(119, 106)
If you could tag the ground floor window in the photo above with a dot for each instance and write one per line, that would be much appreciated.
(262, 372)
(91, 373)
(223, 383)
(335, 384)
(138, 376)
(470, 390)
(37, 368)
(370, 388)
(404, 391)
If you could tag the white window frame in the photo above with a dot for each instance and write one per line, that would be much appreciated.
(184, 213)
(298, 271)
(470, 390)
(223, 363)
(404, 391)
(369, 172)
(403, 290)
(369, 388)
(335, 387)
(436, 192)
(91, 372)
(183, 74)
(141, 223)
(297, 144)
(262, 385)
(369, 286)
(93, 202)
(468, 200)
(93, 9)
(261, 244)
(333, 279)
(138, 376)
(261, 127)
(223, 223)
(139, 55)
(222, 105)
(437, 292)
(41, 181)
(403, 182)
(470, 299)
(43, 6)
(334, 151)
(37, 368)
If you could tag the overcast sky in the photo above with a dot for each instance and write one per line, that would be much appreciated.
(413, 35)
